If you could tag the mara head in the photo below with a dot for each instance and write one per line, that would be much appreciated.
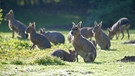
(75, 29)
(30, 28)
(72, 55)
(97, 27)
(9, 15)
(110, 33)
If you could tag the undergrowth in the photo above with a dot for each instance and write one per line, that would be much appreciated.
(17, 52)
(48, 60)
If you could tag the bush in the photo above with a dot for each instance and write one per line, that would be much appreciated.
(17, 62)
(49, 60)
(9, 44)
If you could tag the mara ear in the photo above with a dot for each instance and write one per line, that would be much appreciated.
(11, 11)
(43, 29)
(33, 24)
(40, 30)
(30, 23)
(95, 23)
(79, 24)
(108, 29)
(100, 24)
(73, 24)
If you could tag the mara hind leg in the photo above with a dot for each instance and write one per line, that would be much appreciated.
(13, 32)
(128, 31)
(32, 47)
(76, 54)
(117, 36)
(122, 34)
(89, 57)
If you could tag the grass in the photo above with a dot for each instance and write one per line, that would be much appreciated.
(16, 59)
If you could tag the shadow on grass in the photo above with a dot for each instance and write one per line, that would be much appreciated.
(112, 50)
(98, 62)
(108, 49)
(95, 62)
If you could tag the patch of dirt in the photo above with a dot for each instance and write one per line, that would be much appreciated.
(128, 59)
(130, 42)
(81, 72)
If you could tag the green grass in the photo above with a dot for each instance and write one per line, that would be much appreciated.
(16, 59)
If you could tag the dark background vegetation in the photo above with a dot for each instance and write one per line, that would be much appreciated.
(61, 13)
